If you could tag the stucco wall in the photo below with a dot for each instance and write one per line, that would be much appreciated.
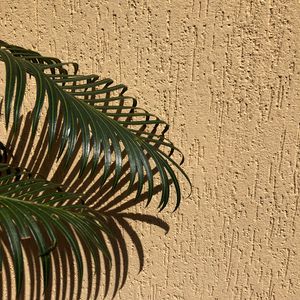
(225, 75)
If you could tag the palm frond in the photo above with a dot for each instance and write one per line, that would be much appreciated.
(28, 209)
(107, 120)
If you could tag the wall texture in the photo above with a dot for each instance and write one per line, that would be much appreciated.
(225, 75)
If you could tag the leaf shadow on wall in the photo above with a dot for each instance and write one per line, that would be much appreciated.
(112, 206)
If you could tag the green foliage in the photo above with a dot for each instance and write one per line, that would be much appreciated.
(107, 123)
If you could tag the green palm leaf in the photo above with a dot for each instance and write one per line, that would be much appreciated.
(108, 121)
(112, 130)
(28, 209)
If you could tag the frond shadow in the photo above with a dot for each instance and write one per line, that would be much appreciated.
(112, 205)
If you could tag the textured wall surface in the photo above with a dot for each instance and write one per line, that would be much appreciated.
(225, 75)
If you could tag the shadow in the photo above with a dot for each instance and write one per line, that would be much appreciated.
(112, 206)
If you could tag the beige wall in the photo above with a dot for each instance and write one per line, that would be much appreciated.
(225, 75)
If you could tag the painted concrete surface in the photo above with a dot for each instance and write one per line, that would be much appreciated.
(225, 75)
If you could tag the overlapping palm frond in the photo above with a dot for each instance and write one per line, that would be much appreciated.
(98, 111)
(112, 206)
(114, 134)
(28, 209)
